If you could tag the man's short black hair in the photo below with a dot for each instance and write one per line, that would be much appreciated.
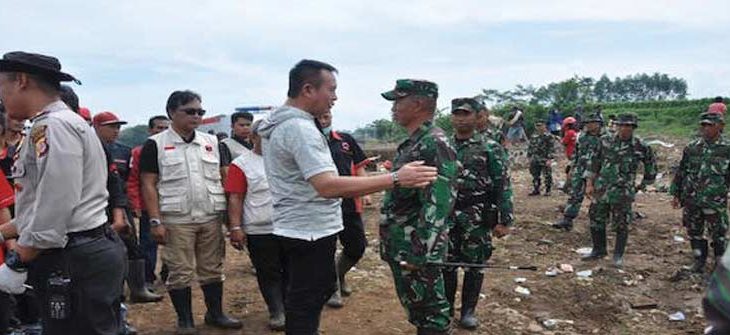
(306, 72)
(69, 97)
(718, 99)
(151, 122)
(237, 115)
(179, 98)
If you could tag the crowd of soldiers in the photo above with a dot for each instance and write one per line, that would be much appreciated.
(293, 186)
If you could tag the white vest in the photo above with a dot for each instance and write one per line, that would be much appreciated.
(258, 207)
(237, 149)
(189, 183)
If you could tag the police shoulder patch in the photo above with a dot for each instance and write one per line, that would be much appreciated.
(39, 137)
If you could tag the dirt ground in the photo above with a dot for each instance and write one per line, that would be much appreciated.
(600, 304)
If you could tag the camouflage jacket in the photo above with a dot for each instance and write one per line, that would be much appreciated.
(613, 167)
(484, 179)
(494, 134)
(413, 225)
(542, 147)
(703, 177)
(586, 146)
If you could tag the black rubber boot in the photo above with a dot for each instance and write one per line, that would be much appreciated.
(565, 223)
(618, 251)
(469, 299)
(599, 245)
(344, 264)
(548, 188)
(335, 300)
(450, 278)
(138, 292)
(699, 251)
(719, 249)
(181, 301)
(273, 294)
(213, 293)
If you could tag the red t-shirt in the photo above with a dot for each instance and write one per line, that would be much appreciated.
(571, 136)
(7, 195)
(236, 181)
(718, 108)
(7, 198)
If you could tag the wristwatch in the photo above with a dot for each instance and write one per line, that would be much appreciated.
(12, 260)
(394, 176)
(155, 222)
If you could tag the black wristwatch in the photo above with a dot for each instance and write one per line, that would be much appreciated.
(12, 260)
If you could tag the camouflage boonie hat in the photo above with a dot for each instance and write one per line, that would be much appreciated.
(594, 117)
(711, 118)
(406, 87)
(465, 104)
(628, 119)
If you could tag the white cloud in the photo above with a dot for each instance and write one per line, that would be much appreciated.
(132, 54)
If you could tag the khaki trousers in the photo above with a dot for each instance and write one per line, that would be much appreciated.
(194, 250)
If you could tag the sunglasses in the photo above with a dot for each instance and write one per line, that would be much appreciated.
(193, 111)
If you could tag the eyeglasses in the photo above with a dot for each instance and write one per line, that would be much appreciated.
(193, 111)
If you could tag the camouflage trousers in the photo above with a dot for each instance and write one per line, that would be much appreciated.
(619, 213)
(577, 193)
(422, 294)
(694, 220)
(470, 241)
(540, 168)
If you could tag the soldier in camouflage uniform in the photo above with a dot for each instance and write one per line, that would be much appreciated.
(413, 227)
(588, 142)
(701, 185)
(541, 152)
(482, 192)
(610, 179)
(486, 129)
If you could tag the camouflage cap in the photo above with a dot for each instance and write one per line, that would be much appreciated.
(628, 119)
(539, 122)
(711, 118)
(465, 104)
(593, 117)
(406, 87)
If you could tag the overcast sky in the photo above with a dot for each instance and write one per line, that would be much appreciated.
(131, 54)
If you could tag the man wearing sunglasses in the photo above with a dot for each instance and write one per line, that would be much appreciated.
(182, 190)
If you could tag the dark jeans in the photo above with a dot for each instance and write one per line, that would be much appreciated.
(268, 261)
(352, 237)
(96, 267)
(148, 247)
(311, 273)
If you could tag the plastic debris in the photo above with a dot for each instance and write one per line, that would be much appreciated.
(678, 238)
(679, 316)
(552, 272)
(566, 268)
(520, 280)
(550, 323)
(584, 273)
(584, 251)
(522, 290)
